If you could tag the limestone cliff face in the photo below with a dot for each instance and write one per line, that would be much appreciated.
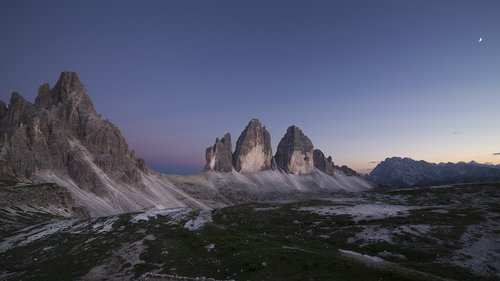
(219, 157)
(295, 152)
(253, 149)
(61, 139)
(322, 163)
(61, 132)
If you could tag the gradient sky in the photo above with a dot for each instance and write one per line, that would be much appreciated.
(365, 80)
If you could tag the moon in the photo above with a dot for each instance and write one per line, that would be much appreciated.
(480, 40)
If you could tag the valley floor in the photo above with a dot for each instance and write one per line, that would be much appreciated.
(448, 233)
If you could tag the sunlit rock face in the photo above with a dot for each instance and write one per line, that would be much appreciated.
(295, 152)
(322, 163)
(253, 151)
(219, 156)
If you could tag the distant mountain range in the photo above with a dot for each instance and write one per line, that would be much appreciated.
(406, 172)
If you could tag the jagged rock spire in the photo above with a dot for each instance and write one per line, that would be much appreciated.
(253, 149)
(219, 156)
(17, 113)
(68, 90)
(62, 132)
(322, 163)
(68, 83)
(44, 98)
(295, 152)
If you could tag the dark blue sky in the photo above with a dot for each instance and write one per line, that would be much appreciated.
(365, 80)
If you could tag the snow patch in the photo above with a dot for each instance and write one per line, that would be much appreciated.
(362, 211)
(105, 226)
(154, 213)
(203, 218)
(481, 251)
(113, 267)
(31, 234)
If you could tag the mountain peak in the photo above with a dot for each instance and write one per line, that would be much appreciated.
(16, 98)
(295, 152)
(219, 156)
(44, 97)
(293, 128)
(69, 79)
(253, 149)
(404, 172)
(67, 86)
(322, 163)
(255, 123)
(62, 132)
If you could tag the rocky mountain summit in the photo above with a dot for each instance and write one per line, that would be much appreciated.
(219, 157)
(61, 139)
(406, 172)
(59, 132)
(297, 170)
(295, 152)
(253, 149)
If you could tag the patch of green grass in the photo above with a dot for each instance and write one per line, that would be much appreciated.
(245, 253)
(277, 242)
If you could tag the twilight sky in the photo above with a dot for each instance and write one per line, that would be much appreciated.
(365, 80)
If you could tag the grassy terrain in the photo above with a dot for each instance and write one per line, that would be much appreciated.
(267, 242)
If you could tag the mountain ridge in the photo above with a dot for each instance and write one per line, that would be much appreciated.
(61, 139)
(406, 172)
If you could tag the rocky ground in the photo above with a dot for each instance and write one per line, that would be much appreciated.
(26, 205)
(447, 233)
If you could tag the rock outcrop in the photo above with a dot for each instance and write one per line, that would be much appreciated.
(62, 131)
(322, 163)
(3, 109)
(295, 152)
(253, 151)
(61, 139)
(219, 157)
